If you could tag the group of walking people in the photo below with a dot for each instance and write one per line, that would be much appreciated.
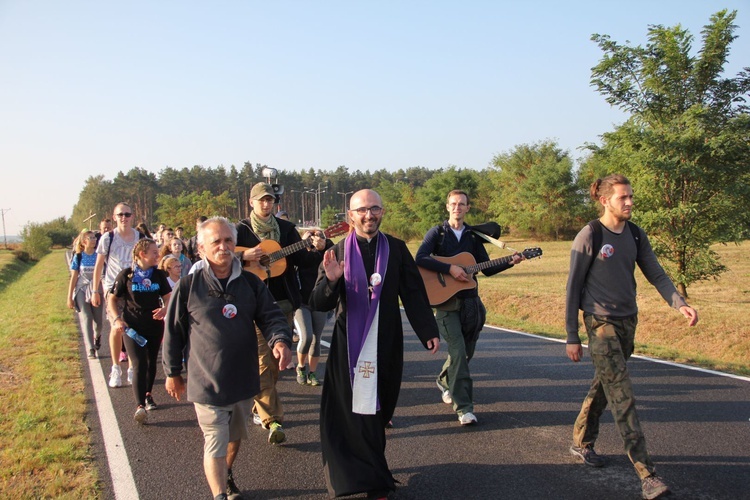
(236, 316)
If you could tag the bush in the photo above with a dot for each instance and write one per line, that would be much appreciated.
(36, 241)
(22, 255)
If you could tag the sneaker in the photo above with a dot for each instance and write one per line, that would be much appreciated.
(447, 399)
(654, 487)
(232, 490)
(123, 356)
(588, 455)
(312, 379)
(92, 354)
(221, 496)
(130, 376)
(257, 420)
(115, 376)
(97, 342)
(140, 415)
(276, 434)
(467, 419)
(150, 405)
(301, 375)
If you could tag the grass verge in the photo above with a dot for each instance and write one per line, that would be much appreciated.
(44, 441)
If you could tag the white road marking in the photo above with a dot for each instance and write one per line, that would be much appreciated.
(123, 483)
(655, 360)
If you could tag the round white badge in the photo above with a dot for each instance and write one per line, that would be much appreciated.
(607, 251)
(375, 279)
(229, 311)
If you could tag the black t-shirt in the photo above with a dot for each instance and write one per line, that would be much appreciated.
(141, 298)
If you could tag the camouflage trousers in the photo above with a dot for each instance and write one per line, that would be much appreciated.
(611, 342)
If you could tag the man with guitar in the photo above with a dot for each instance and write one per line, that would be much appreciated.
(462, 316)
(257, 234)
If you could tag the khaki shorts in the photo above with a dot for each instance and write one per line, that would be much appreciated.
(222, 425)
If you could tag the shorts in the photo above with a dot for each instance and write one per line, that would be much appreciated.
(222, 425)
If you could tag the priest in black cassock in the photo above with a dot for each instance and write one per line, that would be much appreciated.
(365, 363)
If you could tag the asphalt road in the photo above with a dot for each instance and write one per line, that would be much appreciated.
(527, 393)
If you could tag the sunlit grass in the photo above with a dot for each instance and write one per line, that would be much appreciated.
(44, 441)
(531, 297)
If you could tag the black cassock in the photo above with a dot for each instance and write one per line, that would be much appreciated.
(353, 444)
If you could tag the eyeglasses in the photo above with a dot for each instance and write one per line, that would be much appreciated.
(363, 210)
(125, 214)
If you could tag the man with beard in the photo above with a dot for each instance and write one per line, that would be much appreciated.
(601, 283)
(363, 277)
(260, 226)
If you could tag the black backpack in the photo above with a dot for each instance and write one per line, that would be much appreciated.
(596, 230)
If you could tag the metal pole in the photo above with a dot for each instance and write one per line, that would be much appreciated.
(3, 211)
(344, 195)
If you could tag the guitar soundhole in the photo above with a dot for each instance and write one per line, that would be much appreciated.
(264, 260)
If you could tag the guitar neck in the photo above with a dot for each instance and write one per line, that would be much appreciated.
(289, 250)
(485, 265)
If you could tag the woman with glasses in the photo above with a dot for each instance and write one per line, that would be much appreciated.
(80, 291)
(172, 268)
(138, 304)
(115, 253)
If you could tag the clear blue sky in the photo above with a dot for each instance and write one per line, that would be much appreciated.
(93, 87)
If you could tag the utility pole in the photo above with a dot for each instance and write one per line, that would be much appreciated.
(317, 202)
(344, 195)
(4, 211)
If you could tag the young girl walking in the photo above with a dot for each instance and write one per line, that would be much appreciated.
(144, 292)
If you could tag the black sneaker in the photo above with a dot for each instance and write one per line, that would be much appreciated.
(588, 455)
(97, 342)
(92, 354)
(654, 487)
(150, 405)
(232, 490)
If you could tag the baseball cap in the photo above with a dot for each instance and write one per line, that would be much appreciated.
(260, 190)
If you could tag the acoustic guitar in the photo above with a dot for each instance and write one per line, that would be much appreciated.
(441, 287)
(273, 261)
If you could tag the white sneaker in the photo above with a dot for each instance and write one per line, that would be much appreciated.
(467, 419)
(257, 420)
(447, 399)
(141, 416)
(115, 376)
(130, 376)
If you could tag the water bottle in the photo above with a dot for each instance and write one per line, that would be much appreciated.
(138, 338)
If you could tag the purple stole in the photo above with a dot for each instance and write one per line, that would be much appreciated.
(363, 307)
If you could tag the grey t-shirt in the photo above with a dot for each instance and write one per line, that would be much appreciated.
(120, 255)
(609, 287)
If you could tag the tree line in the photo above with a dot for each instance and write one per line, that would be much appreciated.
(685, 147)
